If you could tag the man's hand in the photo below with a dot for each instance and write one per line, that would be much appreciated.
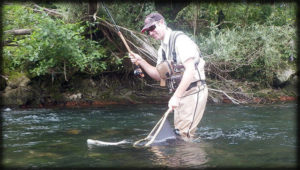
(135, 58)
(174, 102)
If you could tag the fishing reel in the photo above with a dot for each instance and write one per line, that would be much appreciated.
(138, 71)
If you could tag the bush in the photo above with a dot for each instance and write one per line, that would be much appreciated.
(253, 53)
(54, 47)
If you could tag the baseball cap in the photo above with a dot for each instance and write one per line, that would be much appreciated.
(151, 19)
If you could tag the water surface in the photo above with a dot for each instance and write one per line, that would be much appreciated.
(229, 136)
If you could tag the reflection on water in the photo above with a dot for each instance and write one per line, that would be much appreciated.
(183, 154)
(229, 136)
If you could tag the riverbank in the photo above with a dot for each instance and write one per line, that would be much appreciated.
(84, 104)
(83, 91)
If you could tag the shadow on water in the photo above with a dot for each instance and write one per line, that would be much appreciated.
(229, 136)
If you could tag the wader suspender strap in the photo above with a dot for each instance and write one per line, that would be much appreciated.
(172, 40)
(174, 35)
(164, 55)
(173, 51)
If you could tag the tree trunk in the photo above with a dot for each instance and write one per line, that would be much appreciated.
(92, 11)
(92, 7)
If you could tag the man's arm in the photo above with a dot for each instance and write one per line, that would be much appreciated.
(149, 69)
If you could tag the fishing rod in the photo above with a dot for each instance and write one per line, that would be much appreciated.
(137, 71)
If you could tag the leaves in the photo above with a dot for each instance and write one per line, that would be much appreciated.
(54, 42)
(251, 42)
(252, 53)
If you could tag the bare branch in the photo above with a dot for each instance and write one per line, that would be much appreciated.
(18, 31)
(49, 11)
(65, 71)
(138, 43)
(5, 77)
(233, 100)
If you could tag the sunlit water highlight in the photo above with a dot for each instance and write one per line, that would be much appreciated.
(230, 136)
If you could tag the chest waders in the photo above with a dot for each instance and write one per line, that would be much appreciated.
(174, 76)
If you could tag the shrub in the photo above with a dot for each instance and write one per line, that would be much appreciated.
(252, 53)
(55, 47)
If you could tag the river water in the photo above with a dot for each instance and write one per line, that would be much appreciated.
(229, 136)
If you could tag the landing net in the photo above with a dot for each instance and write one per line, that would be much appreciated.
(162, 132)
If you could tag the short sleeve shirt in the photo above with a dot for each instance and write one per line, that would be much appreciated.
(185, 48)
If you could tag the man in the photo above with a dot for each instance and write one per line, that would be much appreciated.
(190, 94)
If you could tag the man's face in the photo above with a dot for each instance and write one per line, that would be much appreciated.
(157, 31)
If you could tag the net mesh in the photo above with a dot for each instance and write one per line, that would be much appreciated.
(165, 134)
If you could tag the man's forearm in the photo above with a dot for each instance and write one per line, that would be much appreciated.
(150, 70)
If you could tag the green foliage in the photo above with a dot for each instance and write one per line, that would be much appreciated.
(235, 14)
(53, 46)
(129, 14)
(73, 12)
(16, 17)
(252, 41)
(252, 53)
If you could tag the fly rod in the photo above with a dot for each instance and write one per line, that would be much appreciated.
(137, 71)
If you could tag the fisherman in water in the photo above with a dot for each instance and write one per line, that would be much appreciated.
(181, 67)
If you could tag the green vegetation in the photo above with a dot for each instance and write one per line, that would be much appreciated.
(54, 46)
(251, 53)
(244, 41)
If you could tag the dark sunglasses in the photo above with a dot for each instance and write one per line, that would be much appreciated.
(150, 29)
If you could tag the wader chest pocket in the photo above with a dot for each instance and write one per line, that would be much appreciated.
(165, 69)
(170, 73)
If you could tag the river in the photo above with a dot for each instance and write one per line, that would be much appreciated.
(228, 136)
